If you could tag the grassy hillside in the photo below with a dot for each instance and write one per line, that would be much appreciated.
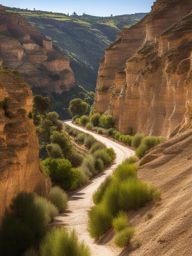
(82, 38)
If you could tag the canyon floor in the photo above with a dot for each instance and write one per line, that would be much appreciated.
(162, 228)
(80, 202)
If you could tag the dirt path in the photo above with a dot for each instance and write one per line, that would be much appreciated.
(79, 204)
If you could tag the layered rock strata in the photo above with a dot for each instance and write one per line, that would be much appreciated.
(19, 148)
(24, 49)
(145, 77)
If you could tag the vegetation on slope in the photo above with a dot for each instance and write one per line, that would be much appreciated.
(69, 166)
(119, 194)
(83, 38)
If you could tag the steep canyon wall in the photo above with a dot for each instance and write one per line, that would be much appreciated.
(145, 77)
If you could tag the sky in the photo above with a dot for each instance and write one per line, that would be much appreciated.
(94, 7)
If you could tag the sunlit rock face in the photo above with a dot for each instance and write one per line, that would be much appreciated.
(25, 49)
(19, 148)
(145, 77)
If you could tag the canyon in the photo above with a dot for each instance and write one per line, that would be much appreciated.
(27, 51)
(19, 148)
(145, 77)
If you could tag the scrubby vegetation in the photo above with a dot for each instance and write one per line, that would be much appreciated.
(59, 198)
(123, 238)
(78, 107)
(97, 159)
(24, 228)
(62, 160)
(104, 124)
(118, 194)
(60, 242)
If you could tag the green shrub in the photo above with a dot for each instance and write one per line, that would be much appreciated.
(63, 140)
(54, 151)
(117, 135)
(49, 209)
(126, 139)
(60, 172)
(103, 154)
(59, 198)
(78, 107)
(123, 238)
(80, 178)
(95, 119)
(22, 227)
(134, 194)
(111, 153)
(120, 222)
(59, 242)
(99, 221)
(96, 146)
(106, 121)
(110, 132)
(111, 198)
(125, 171)
(100, 131)
(89, 126)
(89, 141)
(141, 150)
(89, 163)
(132, 159)
(148, 143)
(75, 158)
(84, 120)
(99, 165)
(98, 195)
(80, 138)
(137, 139)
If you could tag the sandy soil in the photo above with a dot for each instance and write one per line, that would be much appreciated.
(76, 217)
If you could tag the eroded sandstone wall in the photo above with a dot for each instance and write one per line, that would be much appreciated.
(19, 148)
(25, 49)
(149, 82)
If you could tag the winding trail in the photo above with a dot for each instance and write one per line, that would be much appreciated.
(80, 202)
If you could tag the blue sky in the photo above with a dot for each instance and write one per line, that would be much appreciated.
(94, 7)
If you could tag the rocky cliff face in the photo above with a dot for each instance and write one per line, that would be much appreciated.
(25, 49)
(145, 77)
(19, 149)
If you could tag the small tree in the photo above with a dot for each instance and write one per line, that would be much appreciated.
(41, 104)
(54, 151)
(78, 107)
(60, 172)
(106, 121)
(95, 119)
(63, 140)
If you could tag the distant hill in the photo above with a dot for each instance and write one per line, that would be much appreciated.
(83, 38)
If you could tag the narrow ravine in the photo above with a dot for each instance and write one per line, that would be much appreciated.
(79, 204)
